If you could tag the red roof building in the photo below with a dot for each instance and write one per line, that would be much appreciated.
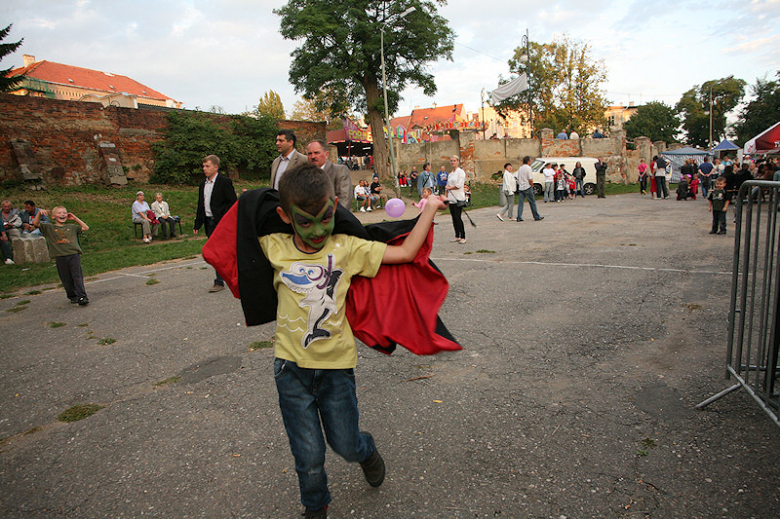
(58, 81)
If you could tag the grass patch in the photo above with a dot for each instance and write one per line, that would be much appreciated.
(169, 380)
(106, 341)
(261, 345)
(32, 431)
(152, 281)
(17, 309)
(7, 296)
(485, 251)
(25, 302)
(33, 293)
(55, 324)
(110, 243)
(79, 412)
(83, 325)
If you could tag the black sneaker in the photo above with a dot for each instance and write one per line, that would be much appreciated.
(540, 218)
(374, 469)
(321, 513)
(73, 300)
(713, 232)
(83, 301)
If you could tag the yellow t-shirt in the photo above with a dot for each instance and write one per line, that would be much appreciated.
(311, 326)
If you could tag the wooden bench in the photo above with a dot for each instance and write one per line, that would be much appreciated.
(140, 226)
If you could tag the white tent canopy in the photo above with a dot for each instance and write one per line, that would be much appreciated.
(678, 157)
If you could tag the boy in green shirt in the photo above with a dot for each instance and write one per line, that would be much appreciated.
(719, 203)
(62, 240)
(315, 353)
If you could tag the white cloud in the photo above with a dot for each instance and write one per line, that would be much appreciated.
(230, 52)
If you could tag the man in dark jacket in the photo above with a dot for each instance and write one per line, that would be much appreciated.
(215, 196)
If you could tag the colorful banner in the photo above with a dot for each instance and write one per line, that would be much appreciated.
(353, 132)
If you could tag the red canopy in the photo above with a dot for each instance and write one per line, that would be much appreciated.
(766, 142)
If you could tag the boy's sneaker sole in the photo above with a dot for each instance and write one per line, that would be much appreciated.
(374, 469)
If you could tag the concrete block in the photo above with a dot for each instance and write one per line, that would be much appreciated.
(30, 249)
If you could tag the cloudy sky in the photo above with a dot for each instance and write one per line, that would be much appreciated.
(229, 52)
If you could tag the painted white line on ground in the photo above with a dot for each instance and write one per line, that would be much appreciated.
(588, 265)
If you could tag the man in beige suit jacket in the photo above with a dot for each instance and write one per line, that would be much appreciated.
(288, 159)
(317, 151)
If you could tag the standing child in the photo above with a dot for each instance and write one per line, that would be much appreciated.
(560, 185)
(694, 185)
(424, 200)
(62, 240)
(719, 204)
(315, 353)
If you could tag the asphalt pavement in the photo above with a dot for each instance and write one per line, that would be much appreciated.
(587, 337)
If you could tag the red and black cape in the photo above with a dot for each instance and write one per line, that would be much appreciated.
(398, 306)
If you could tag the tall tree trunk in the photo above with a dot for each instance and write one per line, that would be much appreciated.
(374, 100)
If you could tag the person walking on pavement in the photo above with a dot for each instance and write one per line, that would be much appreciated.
(525, 188)
(216, 196)
(509, 185)
(601, 177)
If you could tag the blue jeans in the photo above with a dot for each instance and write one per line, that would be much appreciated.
(579, 187)
(549, 191)
(528, 194)
(313, 400)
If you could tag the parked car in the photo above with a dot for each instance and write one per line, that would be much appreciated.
(589, 164)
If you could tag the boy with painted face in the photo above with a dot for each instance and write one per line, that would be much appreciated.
(314, 364)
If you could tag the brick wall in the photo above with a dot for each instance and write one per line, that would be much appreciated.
(64, 136)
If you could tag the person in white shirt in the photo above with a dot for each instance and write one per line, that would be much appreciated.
(525, 188)
(456, 195)
(363, 197)
(163, 214)
(140, 210)
(509, 186)
(549, 183)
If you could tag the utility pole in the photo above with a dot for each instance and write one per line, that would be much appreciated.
(710, 116)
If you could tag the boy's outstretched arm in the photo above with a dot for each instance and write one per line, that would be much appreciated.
(407, 251)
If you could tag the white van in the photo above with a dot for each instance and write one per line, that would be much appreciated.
(588, 164)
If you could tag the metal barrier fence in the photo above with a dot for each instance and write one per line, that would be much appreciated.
(754, 312)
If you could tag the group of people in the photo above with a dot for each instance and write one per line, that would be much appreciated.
(16, 224)
(151, 218)
(521, 183)
(560, 185)
(437, 182)
(369, 196)
(61, 240)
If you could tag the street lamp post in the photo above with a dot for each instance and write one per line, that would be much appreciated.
(384, 93)
(524, 57)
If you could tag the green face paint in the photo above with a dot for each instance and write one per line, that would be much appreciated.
(313, 230)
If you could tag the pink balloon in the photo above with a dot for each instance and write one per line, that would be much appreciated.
(395, 207)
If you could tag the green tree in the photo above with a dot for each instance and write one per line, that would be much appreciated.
(564, 86)
(243, 144)
(694, 108)
(340, 51)
(760, 113)
(655, 120)
(271, 105)
(8, 83)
